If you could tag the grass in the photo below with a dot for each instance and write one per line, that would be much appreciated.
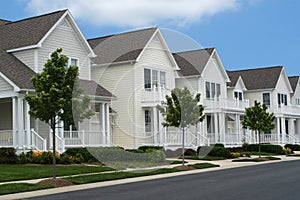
(130, 164)
(262, 159)
(207, 158)
(122, 175)
(25, 172)
(294, 155)
(21, 187)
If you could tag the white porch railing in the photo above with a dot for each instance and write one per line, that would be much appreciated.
(6, 138)
(225, 104)
(269, 138)
(83, 139)
(156, 94)
(174, 138)
(60, 142)
(38, 143)
(286, 110)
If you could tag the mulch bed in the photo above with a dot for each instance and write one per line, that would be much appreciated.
(56, 182)
(184, 167)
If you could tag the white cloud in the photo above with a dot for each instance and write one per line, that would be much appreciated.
(134, 13)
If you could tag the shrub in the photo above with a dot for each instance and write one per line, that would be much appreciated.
(81, 152)
(267, 148)
(219, 145)
(293, 147)
(235, 154)
(8, 156)
(150, 148)
(215, 151)
(190, 152)
(115, 154)
(236, 149)
(287, 151)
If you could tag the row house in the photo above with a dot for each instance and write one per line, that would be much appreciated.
(272, 87)
(25, 46)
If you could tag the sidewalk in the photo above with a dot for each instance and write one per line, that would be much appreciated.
(224, 164)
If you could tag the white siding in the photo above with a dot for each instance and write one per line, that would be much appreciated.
(26, 56)
(282, 87)
(66, 38)
(5, 86)
(296, 94)
(119, 80)
(153, 57)
(191, 83)
(256, 95)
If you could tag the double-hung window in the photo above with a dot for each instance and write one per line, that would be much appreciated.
(266, 99)
(238, 95)
(282, 99)
(148, 124)
(212, 90)
(154, 79)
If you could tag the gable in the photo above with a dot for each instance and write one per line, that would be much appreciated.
(283, 84)
(240, 85)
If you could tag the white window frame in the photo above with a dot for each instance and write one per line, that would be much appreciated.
(269, 98)
(148, 121)
(209, 92)
(157, 83)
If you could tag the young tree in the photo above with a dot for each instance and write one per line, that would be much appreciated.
(182, 111)
(259, 120)
(58, 96)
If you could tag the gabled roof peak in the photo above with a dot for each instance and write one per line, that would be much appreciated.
(210, 50)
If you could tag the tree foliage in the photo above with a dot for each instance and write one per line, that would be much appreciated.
(58, 95)
(258, 119)
(182, 110)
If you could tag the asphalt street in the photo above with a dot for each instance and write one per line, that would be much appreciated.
(268, 181)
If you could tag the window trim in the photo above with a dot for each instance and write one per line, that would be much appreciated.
(159, 83)
(265, 93)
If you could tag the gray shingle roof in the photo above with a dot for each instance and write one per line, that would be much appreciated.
(192, 62)
(18, 34)
(94, 89)
(120, 47)
(234, 77)
(3, 21)
(259, 78)
(294, 81)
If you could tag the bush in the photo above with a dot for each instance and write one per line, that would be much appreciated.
(287, 151)
(219, 145)
(8, 156)
(81, 152)
(293, 147)
(115, 154)
(267, 148)
(150, 148)
(236, 149)
(215, 151)
(190, 152)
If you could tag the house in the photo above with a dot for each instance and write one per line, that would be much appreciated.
(202, 71)
(25, 46)
(139, 69)
(272, 87)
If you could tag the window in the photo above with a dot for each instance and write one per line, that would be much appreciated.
(148, 127)
(73, 62)
(238, 95)
(282, 99)
(154, 78)
(210, 124)
(162, 80)
(147, 79)
(212, 90)
(266, 99)
(297, 101)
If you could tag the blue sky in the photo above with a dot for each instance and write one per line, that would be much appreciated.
(246, 33)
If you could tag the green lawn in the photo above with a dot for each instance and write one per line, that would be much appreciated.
(122, 175)
(21, 187)
(262, 159)
(24, 172)
(207, 158)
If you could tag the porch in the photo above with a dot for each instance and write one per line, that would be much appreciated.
(217, 104)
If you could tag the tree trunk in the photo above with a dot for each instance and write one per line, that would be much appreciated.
(259, 151)
(53, 125)
(182, 146)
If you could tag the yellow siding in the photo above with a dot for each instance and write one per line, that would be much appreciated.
(27, 57)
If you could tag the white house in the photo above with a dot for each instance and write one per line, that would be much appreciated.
(25, 46)
(202, 71)
(271, 86)
(139, 69)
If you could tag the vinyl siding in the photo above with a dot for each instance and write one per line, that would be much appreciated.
(5, 86)
(27, 57)
(153, 57)
(119, 80)
(65, 38)
(282, 87)
(191, 83)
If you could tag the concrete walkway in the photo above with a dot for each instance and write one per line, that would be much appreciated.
(224, 164)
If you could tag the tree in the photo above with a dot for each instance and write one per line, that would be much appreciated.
(259, 120)
(182, 111)
(58, 96)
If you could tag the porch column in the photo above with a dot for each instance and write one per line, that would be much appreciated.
(216, 128)
(222, 127)
(298, 129)
(107, 124)
(20, 113)
(27, 124)
(154, 110)
(160, 129)
(278, 129)
(237, 126)
(15, 120)
(283, 130)
(103, 123)
(292, 130)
